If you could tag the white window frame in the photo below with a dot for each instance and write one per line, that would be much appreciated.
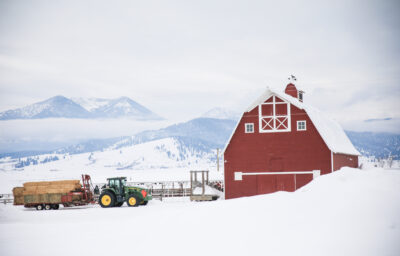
(276, 123)
(305, 125)
(245, 127)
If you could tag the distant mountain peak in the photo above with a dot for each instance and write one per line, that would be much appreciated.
(124, 107)
(62, 107)
(57, 106)
(124, 98)
(221, 113)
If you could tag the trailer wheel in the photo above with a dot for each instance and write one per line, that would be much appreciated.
(39, 207)
(55, 206)
(106, 200)
(47, 207)
(133, 201)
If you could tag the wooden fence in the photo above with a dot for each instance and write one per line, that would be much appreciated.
(158, 190)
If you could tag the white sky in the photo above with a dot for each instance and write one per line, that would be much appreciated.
(182, 58)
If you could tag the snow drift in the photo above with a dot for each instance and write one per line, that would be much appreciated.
(349, 212)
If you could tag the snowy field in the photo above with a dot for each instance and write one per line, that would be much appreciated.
(350, 212)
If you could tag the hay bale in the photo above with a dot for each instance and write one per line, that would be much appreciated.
(54, 191)
(19, 200)
(55, 198)
(29, 190)
(51, 183)
(18, 191)
(65, 182)
(45, 187)
(34, 184)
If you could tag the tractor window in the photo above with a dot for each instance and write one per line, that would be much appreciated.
(111, 183)
(123, 182)
(114, 184)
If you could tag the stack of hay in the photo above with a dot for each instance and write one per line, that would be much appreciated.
(37, 191)
(51, 187)
(18, 193)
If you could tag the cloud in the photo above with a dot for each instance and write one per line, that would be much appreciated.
(181, 59)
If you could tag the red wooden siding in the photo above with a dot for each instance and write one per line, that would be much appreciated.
(341, 160)
(291, 90)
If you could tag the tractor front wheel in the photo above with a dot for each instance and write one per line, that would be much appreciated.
(133, 201)
(106, 200)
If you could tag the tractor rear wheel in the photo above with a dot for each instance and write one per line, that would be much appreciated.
(119, 204)
(133, 201)
(106, 200)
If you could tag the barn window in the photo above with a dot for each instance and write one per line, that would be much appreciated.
(301, 125)
(274, 115)
(300, 95)
(249, 127)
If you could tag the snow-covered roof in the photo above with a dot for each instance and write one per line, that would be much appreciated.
(331, 132)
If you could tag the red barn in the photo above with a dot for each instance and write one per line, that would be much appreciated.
(278, 143)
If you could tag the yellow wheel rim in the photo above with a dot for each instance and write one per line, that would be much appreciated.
(106, 200)
(132, 201)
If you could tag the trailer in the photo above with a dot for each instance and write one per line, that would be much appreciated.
(51, 194)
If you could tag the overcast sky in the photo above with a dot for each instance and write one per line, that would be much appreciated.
(182, 58)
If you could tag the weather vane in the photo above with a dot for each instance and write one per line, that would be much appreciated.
(292, 78)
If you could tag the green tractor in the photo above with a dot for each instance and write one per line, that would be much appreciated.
(116, 192)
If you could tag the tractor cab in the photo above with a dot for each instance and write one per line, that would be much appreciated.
(118, 184)
(116, 192)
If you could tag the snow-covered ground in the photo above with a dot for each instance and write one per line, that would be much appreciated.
(350, 212)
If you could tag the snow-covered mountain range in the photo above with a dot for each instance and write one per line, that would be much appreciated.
(376, 144)
(58, 106)
(204, 134)
(187, 144)
(156, 154)
(62, 107)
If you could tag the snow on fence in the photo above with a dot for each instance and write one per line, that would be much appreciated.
(6, 198)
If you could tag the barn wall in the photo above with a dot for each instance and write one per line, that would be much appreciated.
(283, 151)
(341, 160)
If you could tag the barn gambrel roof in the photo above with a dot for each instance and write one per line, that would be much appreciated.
(331, 132)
